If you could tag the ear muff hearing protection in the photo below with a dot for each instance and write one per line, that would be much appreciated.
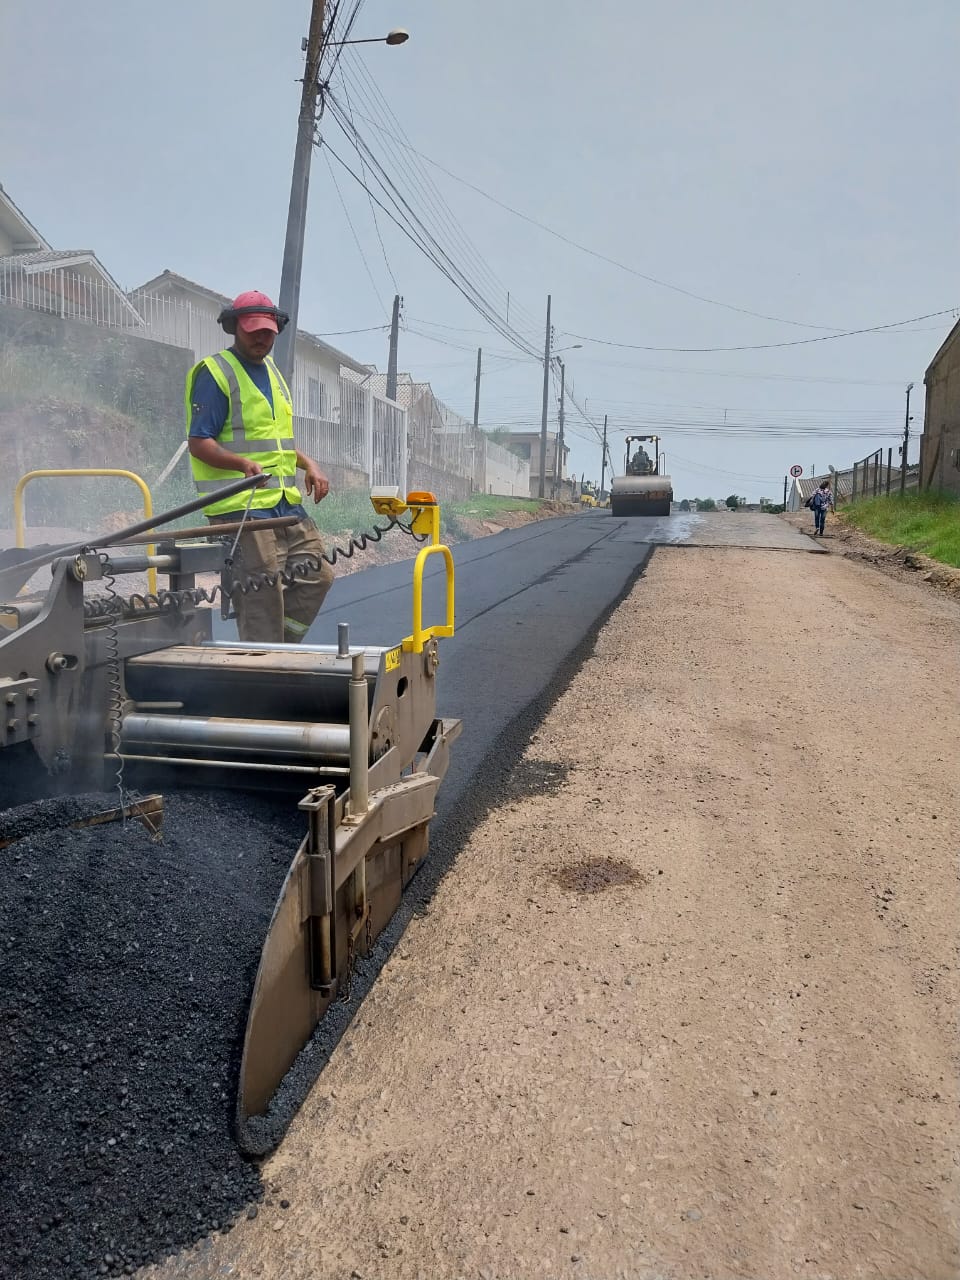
(228, 317)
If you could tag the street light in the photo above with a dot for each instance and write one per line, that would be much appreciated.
(397, 36)
(313, 46)
(906, 444)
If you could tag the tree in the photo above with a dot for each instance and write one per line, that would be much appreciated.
(733, 502)
(705, 504)
(685, 504)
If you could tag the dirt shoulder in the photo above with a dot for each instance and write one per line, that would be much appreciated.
(726, 1049)
(901, 563)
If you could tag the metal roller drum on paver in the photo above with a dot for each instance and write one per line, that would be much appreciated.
(98, 687)
(643, 489)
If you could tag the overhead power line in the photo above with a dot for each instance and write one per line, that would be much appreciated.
(763, 346)
(410, 176)
(356, 238)
(414, 227)
(436, 255)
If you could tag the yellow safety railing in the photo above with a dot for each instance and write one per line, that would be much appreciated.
(18, 500)
(426, 520)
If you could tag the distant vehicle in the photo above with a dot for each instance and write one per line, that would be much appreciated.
(643, 490)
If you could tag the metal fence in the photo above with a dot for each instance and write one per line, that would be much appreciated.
(72, 292)
(367, 443)
(178, 323)
(873, 475)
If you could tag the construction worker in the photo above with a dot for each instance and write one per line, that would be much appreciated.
(240, 423)
(640, 463)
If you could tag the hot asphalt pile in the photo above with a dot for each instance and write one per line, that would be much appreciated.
(126, 969)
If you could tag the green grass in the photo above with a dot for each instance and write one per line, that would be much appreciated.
(351, 509)
(486, 506)
(924, 522)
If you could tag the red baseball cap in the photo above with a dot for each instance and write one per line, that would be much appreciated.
(259, 319)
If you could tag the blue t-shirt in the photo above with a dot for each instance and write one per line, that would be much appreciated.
(209, 414)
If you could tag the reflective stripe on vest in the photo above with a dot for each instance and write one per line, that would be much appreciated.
(253, 429)
(211, 486)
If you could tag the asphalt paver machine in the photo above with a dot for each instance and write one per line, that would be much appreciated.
(103, 691)
(643, 489)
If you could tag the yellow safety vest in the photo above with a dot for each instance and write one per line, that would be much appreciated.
(252, 430)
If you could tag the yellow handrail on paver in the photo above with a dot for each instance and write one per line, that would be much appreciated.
(426, 522)
(414, 643)
(18, 501)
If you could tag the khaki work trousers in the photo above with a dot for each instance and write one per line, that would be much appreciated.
(279, 614)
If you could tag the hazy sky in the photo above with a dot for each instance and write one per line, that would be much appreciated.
(794, 160)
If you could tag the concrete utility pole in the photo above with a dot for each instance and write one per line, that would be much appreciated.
(906, 443)
(558, 462)
(285, 347)
(394, 342)
(784, 493)
(476, 394)
(603, 460)
(541, 488)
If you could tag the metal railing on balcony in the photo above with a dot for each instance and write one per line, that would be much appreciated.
(75, 292)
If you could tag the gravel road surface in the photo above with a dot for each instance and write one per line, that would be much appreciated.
(686, 1004)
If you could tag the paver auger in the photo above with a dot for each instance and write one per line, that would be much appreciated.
(643, 490)
(94, 683)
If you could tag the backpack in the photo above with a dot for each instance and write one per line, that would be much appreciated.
(809, 502)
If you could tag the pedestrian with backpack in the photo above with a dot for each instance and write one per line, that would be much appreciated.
(818, 502)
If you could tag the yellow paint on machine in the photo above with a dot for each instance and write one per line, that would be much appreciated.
(391, 659)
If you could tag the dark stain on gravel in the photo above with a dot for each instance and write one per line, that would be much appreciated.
(594, 875)
(125, 973)
(535, 778)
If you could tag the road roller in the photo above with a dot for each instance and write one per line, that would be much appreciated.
(643, 489)
(128, 694)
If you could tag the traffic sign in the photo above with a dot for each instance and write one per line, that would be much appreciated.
(796, 471)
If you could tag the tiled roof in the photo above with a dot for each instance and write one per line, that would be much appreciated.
(39, 257)
(34, 262)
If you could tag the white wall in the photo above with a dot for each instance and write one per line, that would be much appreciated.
(505, 473)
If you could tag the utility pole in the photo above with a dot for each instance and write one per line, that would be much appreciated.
(541, 489)
(394, 341)
(476, 394)
(784, 493)
(906, 442)
(603, 460)
(558, 463)
(285, 347)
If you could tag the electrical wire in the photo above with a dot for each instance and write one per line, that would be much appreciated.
(356, 239)
(765, 346)
(421, 183)
(420, 237)
(373, 210)
(340, 333)
(420, 189)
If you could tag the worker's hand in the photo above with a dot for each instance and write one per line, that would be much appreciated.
(251, 468)
(315, 482)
